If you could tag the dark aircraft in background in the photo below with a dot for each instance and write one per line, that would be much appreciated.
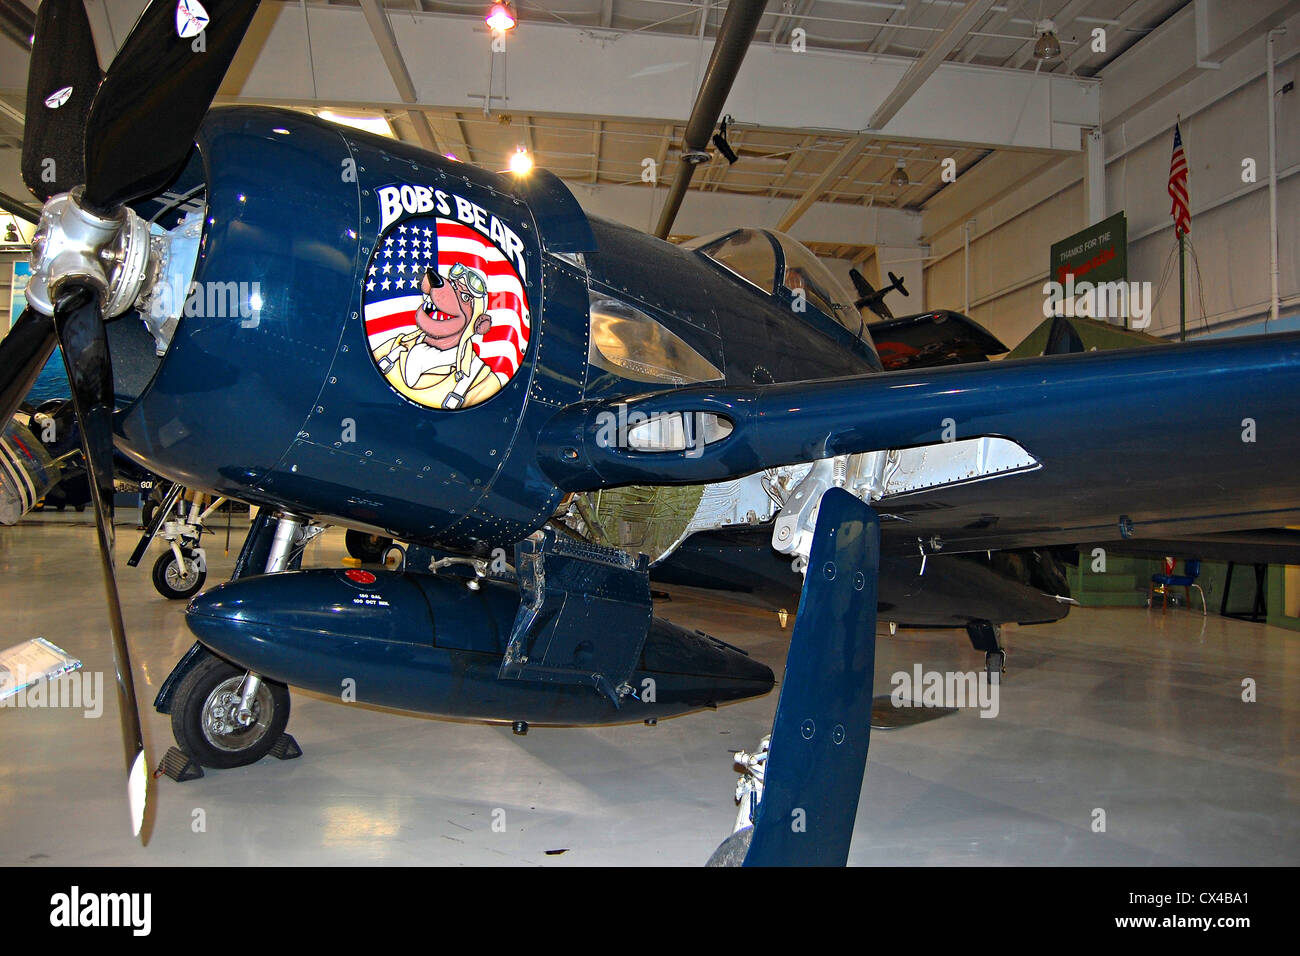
(540, 405)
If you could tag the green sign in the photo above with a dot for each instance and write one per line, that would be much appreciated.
(1096, 254)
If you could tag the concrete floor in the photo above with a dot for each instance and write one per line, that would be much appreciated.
(1134, 712)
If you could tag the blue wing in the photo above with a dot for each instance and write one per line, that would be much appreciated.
(1147, 443)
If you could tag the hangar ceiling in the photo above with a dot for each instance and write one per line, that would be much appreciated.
(837, 166)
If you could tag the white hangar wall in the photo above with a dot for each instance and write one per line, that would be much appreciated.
(1013, 206)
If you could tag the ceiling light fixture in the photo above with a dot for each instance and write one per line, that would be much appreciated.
(521, 163)
(501, 16)
(1047, 47)
(900, 178)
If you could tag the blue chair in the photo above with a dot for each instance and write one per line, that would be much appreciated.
(1186, 581)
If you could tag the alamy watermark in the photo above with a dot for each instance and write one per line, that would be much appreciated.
(79, 690)
(920, 688)
(686, 432)
(216, 300)
(1099, 300)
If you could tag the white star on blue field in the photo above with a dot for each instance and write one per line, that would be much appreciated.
(400, 261)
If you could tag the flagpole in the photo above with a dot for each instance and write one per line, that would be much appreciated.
(1182, 287)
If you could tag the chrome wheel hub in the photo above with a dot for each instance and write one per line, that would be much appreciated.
(220, 718)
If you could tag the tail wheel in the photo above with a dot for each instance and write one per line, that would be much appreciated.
(205, 715)
(366, 548)
(176, 582)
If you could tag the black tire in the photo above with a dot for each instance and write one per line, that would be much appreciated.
(199, 715)
(147, 511)
(171, 583)
(732, 850)
(366, 548)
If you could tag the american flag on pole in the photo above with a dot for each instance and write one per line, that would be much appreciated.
(392, 289)
(1181, 210)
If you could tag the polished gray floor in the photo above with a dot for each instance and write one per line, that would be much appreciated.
(1131, 712)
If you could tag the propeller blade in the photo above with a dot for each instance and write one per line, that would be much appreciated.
(79, 325)
(23, 353)
(61, 83)
(159, 86)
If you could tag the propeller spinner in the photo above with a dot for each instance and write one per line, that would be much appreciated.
(88, 150)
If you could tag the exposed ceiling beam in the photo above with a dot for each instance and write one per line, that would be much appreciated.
(792, 164)
(786, 22)
(606, 12)
(12, 116)
(997, 23)
(704, 212)
(886, 34)
(1083, 52)
(929, 61)
(17, 22)
(661, 157)
(826, 181)
(921, 70)
(450, 132)
(638, 77)
(377, 20)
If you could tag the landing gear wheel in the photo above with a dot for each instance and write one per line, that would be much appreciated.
(732, 850)
(204, 715)
(176, 583)
(366, 548)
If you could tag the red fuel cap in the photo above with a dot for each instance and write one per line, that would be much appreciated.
(361, 577)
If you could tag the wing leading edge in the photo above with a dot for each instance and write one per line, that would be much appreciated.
(1137, 443)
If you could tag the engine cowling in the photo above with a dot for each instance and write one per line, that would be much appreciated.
(278, 360)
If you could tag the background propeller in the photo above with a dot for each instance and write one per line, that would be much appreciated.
(122, 136)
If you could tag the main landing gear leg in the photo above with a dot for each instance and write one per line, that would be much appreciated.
(810, 774)
(987, 637)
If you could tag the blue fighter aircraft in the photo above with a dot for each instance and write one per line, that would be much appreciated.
(545, 407)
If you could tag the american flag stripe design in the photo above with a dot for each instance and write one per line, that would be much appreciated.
(1181, 208)
(503, 346)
